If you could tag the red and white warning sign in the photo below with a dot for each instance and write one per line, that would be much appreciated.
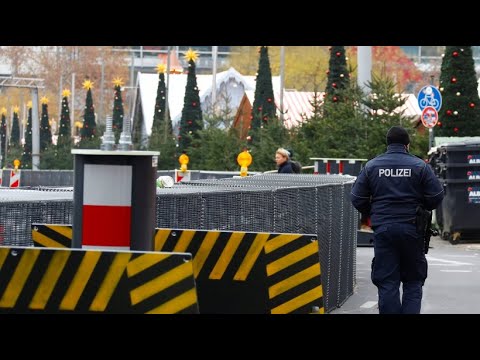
(107, 206)
(429, 117)
(182, 175)
(15, 178)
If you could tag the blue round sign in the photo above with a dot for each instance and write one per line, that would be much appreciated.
(429, 96)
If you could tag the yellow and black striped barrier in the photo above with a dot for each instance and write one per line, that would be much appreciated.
(47, 280)
(53, 236)
(237, 272)
(245, 272)
(294, 277)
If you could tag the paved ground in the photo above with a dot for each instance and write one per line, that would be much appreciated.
(452, 286)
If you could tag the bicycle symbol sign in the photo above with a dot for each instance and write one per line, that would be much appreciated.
(429, 96)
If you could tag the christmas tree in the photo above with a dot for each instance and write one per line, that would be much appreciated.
(64, 135)
(3, 133)
(45, 130)
(117, 117)
(191, 120)
(159, 122)
(263, 108)
(338, 76)
(15, 134)
(88, 131)
(26, 162)
(162, 138)
(459, 114)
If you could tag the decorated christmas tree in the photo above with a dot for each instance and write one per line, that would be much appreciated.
(263, 108)
(191, 121)
(117, 117)
(3, 132)
(26, 162)
(15, 134)
(64, 135)
(88, 131)
(459, 114)
(162, 138)
(45, 129)
(338, 75)
(161, 124)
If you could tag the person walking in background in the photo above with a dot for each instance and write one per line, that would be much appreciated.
(282, 158)
(389, 189)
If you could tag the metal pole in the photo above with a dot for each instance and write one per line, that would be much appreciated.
(431, 135)
(282, 80)
(132, 78)
(364, 59)
(214, 77)
(167, 83)
(102, 81)
(72, 107)
(35, 131)
(141, 58)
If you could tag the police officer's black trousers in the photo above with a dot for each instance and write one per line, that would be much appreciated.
(399, 257)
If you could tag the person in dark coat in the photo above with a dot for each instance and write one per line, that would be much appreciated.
(282, 158)
(389, 189)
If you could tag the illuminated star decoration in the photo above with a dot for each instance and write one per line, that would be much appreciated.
(66, 93)
(118, 81)
(161, 68)
(29, 104)
(87, 84)
(191, 55)
(3, 111)
(44, 100)
(16, 109)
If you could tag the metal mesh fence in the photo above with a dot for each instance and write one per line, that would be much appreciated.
(284, 203)
(20, 208)
(277, 203)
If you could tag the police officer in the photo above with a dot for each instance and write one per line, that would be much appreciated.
(388, 189)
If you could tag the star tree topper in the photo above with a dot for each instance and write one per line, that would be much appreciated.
(191, 55)
(161, 68)
(118, 81)
(87, 84)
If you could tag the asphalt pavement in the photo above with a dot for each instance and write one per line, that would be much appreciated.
(452, 286)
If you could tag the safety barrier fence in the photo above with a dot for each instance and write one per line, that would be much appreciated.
(272, 203)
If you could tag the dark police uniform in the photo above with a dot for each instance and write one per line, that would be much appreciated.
(389, 189)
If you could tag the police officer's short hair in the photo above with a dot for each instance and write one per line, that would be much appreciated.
(397, 135)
